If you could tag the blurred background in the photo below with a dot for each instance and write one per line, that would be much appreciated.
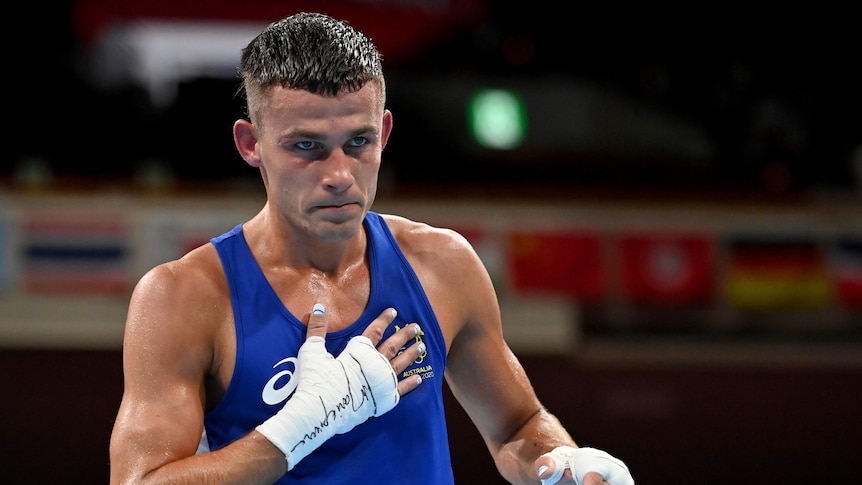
(669, 201)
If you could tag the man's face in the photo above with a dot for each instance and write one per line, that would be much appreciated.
(320, 157)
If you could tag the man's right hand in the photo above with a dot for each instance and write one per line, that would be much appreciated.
(334, 395)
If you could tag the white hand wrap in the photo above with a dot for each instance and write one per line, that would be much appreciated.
(585, 460)
(332, 396)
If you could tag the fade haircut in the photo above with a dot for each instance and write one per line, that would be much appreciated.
(308, 51)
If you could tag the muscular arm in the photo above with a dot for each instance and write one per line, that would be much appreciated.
(500, 401)
(485, 376)
(490, 384)
(169, 349)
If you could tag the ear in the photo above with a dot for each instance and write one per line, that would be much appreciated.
(245, 139)
(387, 128)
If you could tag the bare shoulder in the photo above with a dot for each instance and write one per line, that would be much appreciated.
(192, 279)
(454, 278)
(420, 240)
(175, 297)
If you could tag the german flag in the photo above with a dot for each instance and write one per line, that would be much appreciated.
(775, 273)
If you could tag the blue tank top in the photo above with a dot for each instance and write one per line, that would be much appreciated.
(409, 444)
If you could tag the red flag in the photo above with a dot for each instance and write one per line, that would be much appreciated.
(667, 269)
(563, 263)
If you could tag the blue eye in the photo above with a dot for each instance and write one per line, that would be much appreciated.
(358, 141)
(305, 145)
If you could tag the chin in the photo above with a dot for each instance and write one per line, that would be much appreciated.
(339, 230)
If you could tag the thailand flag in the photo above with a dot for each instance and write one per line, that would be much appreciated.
(75, 253)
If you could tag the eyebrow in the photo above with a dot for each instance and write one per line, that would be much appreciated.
(317, 136)
(303, 134)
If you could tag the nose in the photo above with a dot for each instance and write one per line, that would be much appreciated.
(338, 171)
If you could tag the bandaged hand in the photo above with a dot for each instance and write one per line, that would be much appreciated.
(585, 460)
(333, 395)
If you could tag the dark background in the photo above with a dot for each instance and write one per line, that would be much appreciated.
(775, 94)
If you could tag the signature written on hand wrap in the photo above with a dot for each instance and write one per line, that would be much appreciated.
(351, 402)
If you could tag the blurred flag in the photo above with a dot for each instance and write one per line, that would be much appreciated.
(4, 259)
(82, 253)
(565, 263)
(847, 268)
(169, 236)
(770, 273)
(488, 247)
(667, 269)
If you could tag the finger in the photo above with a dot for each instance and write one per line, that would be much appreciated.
(375, 330)
(396, 343)
(408, 384)
(545, 466)
(318, 322)
(545, 469)
(553, 470)
(410, 355)
(408, 352)
(593, 478)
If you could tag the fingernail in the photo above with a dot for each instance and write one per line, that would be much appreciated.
(421, 349)
(417, 329)
(318, 309)
(394, 312)
(542, 469)
(418, 379)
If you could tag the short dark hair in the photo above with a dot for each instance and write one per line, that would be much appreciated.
(312, 52)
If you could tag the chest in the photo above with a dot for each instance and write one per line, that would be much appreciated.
(345, 295)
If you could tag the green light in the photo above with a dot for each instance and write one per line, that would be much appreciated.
(497, 119)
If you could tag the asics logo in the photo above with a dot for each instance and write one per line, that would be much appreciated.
(273, 395)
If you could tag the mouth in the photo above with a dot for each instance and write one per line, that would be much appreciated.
(337, 205)
(338, 209)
